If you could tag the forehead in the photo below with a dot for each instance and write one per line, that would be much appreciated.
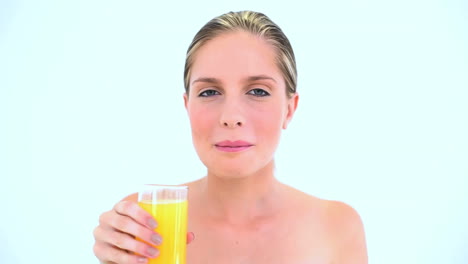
(235, 55)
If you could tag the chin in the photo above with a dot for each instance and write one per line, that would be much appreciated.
(229, 175)
(237, 166)
(229, 172)
(233, 170)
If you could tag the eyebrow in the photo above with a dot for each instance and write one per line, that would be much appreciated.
(260, 77)
(250, 79)
(207, 80)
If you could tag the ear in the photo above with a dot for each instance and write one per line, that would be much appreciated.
(185, 100)
(291, 109)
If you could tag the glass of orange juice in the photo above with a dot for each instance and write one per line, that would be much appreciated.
(168, 205)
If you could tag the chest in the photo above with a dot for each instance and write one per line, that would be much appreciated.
(261, 242)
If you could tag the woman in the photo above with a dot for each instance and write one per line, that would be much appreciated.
(240, 82)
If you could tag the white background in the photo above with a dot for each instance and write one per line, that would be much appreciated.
(91, 106)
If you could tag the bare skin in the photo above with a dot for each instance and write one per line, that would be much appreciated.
(239, 213)
(282, 225)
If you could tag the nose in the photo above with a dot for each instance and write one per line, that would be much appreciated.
(230, 124)
(231, 116)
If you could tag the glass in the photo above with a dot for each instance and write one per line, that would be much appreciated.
(169, 206)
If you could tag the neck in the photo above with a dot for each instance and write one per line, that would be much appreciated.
(238, 200)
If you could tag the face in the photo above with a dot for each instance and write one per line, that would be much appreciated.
(237, 104)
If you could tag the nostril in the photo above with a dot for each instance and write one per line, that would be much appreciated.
(232, 124)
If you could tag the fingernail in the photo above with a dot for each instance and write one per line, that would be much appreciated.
(157, 239)
(152, 252)
(142, 260)
(152, 223)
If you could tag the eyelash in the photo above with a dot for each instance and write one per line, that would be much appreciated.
(251, 92)
(204, 93)
(264, 93)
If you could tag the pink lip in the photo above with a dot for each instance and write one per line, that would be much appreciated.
(233, 146)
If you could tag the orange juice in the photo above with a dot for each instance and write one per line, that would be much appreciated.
(172, 226)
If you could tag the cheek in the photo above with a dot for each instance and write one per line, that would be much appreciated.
(201, 121)
(268, 125)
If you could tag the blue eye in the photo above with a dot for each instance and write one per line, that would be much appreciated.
(258, 92)
(208, 93)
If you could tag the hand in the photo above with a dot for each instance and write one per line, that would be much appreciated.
(115, 240)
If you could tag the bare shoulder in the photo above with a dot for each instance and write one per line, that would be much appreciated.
(348, 233)
(341, 216)
(304, 202)
(342, 225)
(344, 218)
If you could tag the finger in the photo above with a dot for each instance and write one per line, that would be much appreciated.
(134, 211)
(116, 255)
(190, 237)
(128, 225)
(125, 242)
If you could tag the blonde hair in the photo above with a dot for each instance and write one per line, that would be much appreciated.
(257, 24)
